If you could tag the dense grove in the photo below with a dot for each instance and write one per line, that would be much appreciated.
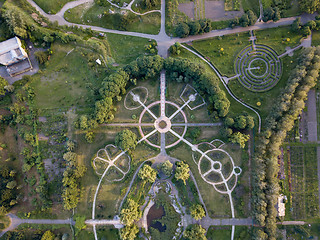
(280, 120)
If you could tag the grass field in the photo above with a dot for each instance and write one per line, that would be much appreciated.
(67, 79)
(224, 233)
(315, 38)
(52, 6)
(126, 49)
(221, 51)
(276, 38)
(251, 5)
(99, 16)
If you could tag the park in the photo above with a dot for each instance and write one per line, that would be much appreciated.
(161, 120)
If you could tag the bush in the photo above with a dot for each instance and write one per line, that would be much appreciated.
(42, 57)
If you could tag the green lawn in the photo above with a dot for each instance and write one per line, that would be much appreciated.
(52, 6)
(276, 38)
(221, 51)
(315, 38)
(125, 49)
(224, 233)
(100, 16)
(68, 80)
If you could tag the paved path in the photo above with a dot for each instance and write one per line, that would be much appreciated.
(115, 222)
(318, 159)
(16, 221)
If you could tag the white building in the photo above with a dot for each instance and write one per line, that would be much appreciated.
(14, 57)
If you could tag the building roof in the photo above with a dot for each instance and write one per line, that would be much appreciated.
(281, 206)
(11, 51)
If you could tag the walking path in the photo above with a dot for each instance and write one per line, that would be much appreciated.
(225, 85)
(16, 221)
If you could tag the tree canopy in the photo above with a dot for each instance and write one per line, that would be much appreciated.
(182, 172)
(3, 84)
(195, 232)
(131, 213)
(197, 211)
(126, 140)
(147, 174)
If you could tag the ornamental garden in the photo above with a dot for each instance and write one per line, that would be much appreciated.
(197, 145)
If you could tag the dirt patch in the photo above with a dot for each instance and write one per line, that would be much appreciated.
(215, 11)
(187, 9)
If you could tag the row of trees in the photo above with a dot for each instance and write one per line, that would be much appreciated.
(8, 190)
(71, 178)
(280, 120)
(247, 19)
(193, 28)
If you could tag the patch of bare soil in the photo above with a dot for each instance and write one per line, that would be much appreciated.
(187, 8)
(215, 11)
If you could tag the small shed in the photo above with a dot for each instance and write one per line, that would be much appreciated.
(14, 57)
(281, 206)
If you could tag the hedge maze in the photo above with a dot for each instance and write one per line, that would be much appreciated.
(258, 68)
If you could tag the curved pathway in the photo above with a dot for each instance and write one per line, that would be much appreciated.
(225, 85)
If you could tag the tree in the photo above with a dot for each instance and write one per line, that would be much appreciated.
(276, 15)
(48, 235)
(197, 211)
(89, 136)
(166, 168)
(195, 232)
(126, 140)
(240, 138)
(229, 121)
(131, 213)
(182, 30)
(244, 20)
(80, 225)
(70, 157)
(41, 56)
(306, 31)
(147, 174)
(268, 14)
(175, 48)
(129, 232)
(194, 27)
(3, 84)
(312, 25)
(11, 184)
(182, 171)
(250, 122)
(309, 6)
(252, 17)
(240, 122)
(296, 25)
